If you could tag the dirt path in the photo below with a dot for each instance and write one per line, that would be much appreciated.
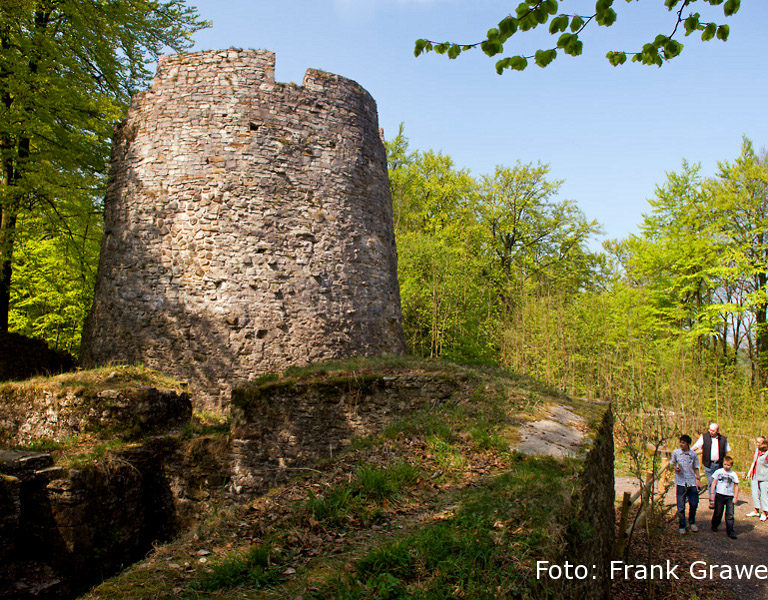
(716, 548)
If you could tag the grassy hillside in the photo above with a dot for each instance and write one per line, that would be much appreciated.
(436, 505)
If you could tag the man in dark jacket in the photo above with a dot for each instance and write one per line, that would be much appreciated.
(714, 446)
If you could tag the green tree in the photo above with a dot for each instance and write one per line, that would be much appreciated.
(440, 246)
(531, 233)
(567, 27)
(67, 71)
(476, 258)
(676, 260)
(740, 192)
(54, 267)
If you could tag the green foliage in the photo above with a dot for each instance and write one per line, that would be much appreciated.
(68, 69)
(467, 247)
(530, 14)
(438, 254)
(54, 265)
(674, 332)
(702, 259)
(671, 323)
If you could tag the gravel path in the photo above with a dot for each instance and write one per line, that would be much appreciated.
(716, 548)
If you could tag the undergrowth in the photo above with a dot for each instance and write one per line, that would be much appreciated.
(257, 567)
(370, 485)
(481, 550)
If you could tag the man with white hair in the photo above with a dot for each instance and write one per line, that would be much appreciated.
(714, 448)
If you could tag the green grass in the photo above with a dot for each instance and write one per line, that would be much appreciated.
(372, 484)
(394, 558)
(384, 482)
(256, 568)
(331, 506)
(446, 454)
(478, 550)
(205, 422)
(359, 363)
(427, 423)
(95, 455)
(91, 381)
(486, 438)
(43, 444)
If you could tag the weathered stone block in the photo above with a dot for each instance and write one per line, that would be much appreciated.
(23, 464)
(78, 524)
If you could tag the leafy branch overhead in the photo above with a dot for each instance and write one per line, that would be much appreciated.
(531, 14)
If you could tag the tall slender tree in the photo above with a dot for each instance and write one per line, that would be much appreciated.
(741, 195)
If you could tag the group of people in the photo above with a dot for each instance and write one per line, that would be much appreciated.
(722, 480)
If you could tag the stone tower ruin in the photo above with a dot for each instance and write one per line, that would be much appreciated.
(248, 226)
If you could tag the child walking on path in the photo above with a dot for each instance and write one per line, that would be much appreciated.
(724, 493)
(686, 465)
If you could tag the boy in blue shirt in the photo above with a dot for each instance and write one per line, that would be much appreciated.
(686, 465)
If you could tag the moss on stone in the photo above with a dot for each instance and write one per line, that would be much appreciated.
(90, 382)
(122, 402)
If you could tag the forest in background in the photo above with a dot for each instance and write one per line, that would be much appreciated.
(670, 323)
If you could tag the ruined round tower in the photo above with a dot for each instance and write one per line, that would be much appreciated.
(248, 226)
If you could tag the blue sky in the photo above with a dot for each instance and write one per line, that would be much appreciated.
(610, 133)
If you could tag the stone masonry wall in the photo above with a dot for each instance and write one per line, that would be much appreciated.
(60, 414)
(590, 539)
(70, 527)
(248, 226)
(279, 428)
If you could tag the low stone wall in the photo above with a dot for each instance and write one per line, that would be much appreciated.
(279, 427)
(591, 535)
(58, 414)
(196, 470)
(69, 527)
(65, 527)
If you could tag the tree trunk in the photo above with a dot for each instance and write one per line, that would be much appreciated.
(9, 211)
(761, 332)
(7, 234)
